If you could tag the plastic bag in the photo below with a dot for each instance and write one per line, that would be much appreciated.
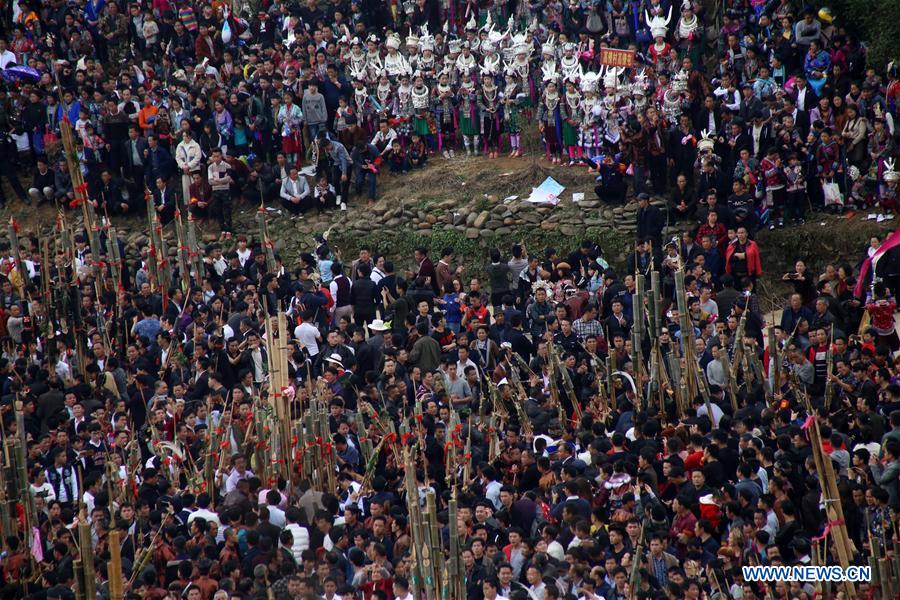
(832, 194)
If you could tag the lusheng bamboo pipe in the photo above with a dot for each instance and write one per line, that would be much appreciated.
(184, 269)
(635, 577)
(434, 541)
(691, 382)
(7, 504)
(114, 568)
(455, 572)
(86, 554)
(285, 395)
(193, 247)
(833, 508)
(78, 568)
(415, 524)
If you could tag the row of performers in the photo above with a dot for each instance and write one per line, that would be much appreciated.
(570, 120)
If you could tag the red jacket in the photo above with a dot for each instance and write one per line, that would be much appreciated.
(754, 265)
(370, 587)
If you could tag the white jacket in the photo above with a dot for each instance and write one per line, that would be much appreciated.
(301, 540)
(188, 154)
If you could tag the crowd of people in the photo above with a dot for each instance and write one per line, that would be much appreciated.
(743, 117)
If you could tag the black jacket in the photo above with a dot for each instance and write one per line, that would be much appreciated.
(109, 197)
(41, 181)
(363, 295)
(650, 223)
(141, 146)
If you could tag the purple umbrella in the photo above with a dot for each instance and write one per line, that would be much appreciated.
(18, 72)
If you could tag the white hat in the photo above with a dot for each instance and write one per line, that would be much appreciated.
(708, 500)
(335, 359)
(393, 42)
(378, 325)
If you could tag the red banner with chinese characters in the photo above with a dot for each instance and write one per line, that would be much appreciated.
(613, 57)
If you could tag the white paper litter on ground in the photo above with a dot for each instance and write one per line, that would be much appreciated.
(546, 193)
(577, 196)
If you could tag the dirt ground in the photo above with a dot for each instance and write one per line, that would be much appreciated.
(823, 239)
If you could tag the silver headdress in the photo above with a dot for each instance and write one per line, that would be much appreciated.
(639, 86)
(549, 73)
(549, 47)
(611, 77)
(680, 81)
(590, 81)
(706, 143)
(686, 26)
(393, 42)
(890, 175)
(657, 25)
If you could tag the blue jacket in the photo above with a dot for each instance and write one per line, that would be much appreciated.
(73, 111)
(159, 163)
(340, 156)
(789, 318)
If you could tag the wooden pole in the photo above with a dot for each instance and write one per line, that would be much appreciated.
(610, 382)
(454, 569)
(833, 508)
(194, 248)
(687, 342)
(73, 293)
(114, 568)
(434, 542)
(739, 344)
(774, 365)
(16, 250)
(184, 262)
(79, 186)
(165, 267)
(282, 399)
(115, 257)
(86, 554)
(412, 505)
(678, 387)
(7, 503)
(655, 296)
(635, 577)
(78, 568)
(262, 223)
(732, 384)
(152, 266)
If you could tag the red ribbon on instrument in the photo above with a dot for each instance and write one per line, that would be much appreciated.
(827, 530)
